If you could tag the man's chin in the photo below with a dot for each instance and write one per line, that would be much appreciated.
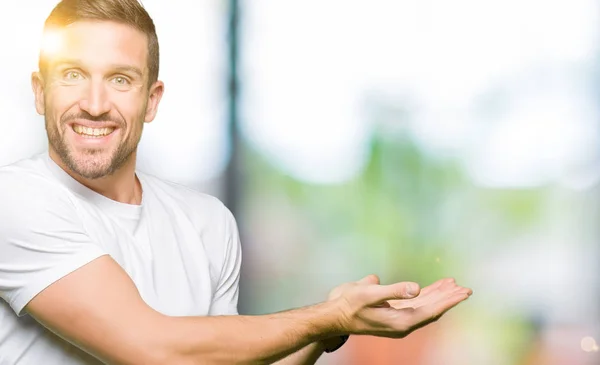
(92, 173)
(92, 163)
(91, 166)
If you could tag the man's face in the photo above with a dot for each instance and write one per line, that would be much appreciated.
(94, 95)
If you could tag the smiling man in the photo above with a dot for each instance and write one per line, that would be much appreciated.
(96, 95)
(100, 262)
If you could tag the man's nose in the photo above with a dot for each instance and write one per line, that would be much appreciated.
(95, 100)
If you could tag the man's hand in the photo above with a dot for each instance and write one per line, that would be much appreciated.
(436, 299)
(394, 310)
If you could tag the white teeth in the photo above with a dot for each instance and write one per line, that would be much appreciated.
(92, 132)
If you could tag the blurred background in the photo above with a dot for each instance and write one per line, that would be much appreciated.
(411, 139)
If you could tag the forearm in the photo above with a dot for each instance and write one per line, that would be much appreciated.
(311, 353)
(249, 339)
(305, 356)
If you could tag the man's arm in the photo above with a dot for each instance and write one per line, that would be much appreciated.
(306, 356)
(99, 309)
(311, 353)
(433, 293)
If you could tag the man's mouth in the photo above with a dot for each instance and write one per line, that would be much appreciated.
(92, 132)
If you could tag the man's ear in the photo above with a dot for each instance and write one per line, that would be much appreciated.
(37, 84)
(154, 96)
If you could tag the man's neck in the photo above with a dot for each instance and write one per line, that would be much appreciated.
(122, 186)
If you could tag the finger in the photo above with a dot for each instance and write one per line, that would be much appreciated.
(369, 279)
(463, 290)
(450, 303)
(433, 292)
(442, 283)
(403, 290)
(418, 301)
(442, 293)
(430, 299)
(444, 287)
(423, 297)
(434, 311)
(448, 283)
(407, 320)
(451, 285)
(432, 287)
(456, 289)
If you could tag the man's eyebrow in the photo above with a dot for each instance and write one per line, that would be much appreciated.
(65, 62)
(128, 69)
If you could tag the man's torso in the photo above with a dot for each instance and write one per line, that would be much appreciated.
(172, 246)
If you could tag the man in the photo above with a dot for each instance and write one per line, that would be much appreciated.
(99, 262)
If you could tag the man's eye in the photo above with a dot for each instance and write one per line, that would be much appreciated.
(72, 75)
(120, 80)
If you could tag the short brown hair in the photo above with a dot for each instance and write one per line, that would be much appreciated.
(130, 12)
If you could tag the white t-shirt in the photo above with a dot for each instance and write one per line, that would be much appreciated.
(180, 247)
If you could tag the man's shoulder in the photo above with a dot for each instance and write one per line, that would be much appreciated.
(25, 175)
(184, 196)
(30, 194)
(32, 163)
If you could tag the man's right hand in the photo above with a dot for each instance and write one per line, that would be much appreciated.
(395, 310)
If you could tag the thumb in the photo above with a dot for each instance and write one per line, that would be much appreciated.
(402, 290)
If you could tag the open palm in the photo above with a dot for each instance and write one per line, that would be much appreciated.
(397, 309)
(430, 304)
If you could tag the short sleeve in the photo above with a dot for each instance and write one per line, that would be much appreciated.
(225, 300)
(41, 238)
